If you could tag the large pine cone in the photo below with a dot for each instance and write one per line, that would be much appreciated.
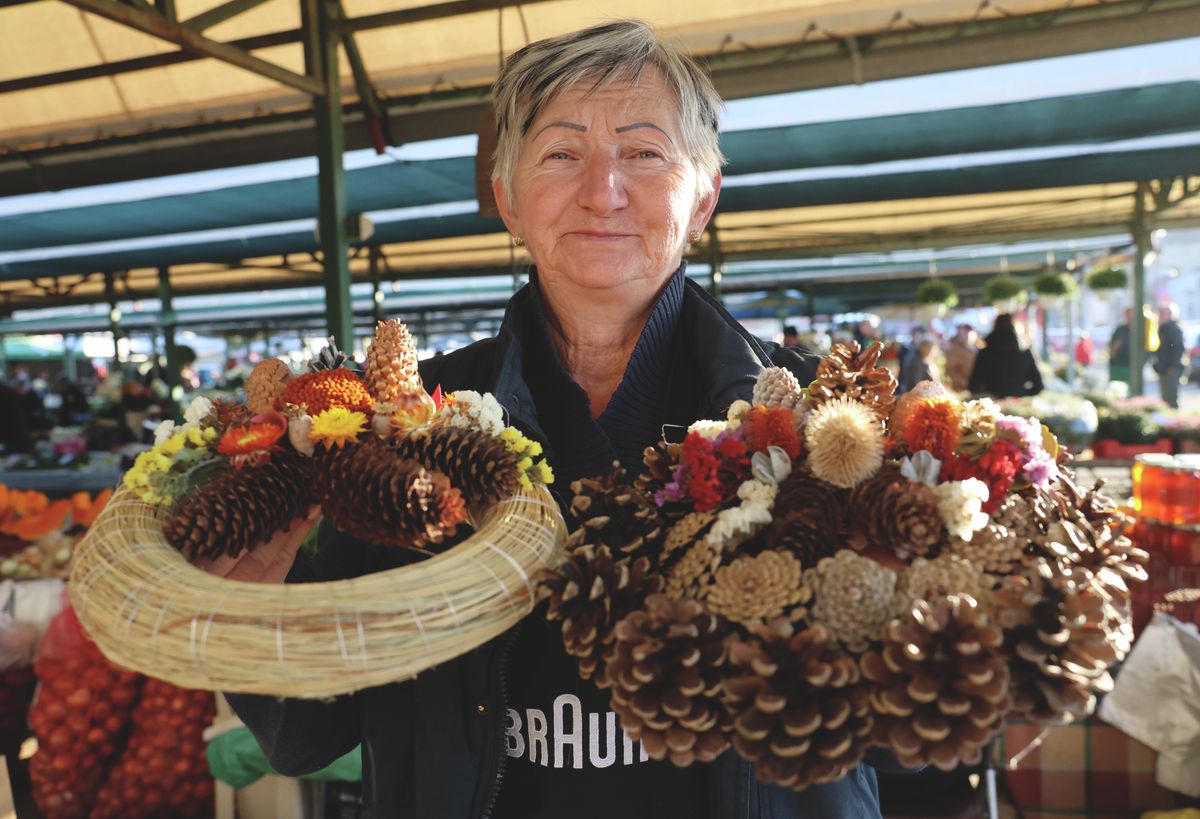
(374, 493)
(241, 508)
(759, 588)
(898, 514)
(1064, 635)
(811, 518)
(391, 370)
(665, 669)
(799, 707)
(477, 464)
(590, 592)
(849, 372)
(941, 684)
(611, 512)
(999, 547)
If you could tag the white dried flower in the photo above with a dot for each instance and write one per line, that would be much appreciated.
(197, 411)
(737, 414)
(746, 518)
(467, 408)
(708, 429)
(960, 504)
(163, 432)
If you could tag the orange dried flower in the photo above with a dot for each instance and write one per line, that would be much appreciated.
(771, 426)
(325, 389)
(39, 524)
(85, 509)
(933, 425)
(262, 432)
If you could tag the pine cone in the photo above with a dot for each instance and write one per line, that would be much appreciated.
(944, 575)
(659, 463)
(853, 597)
(241, 508)
(590, 592)
(999, 547)
(694, 572)
(759, 588)
(391, 370)
(777, 387)
(849, 372)
(477, 464)
(265, 386)
(941, 684)
(898, 514)
(811, 518)
(800, 710)
(374, 493)
(665, 669)
(611, 512)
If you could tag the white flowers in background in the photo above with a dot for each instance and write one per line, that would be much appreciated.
(960, 504)
(772, 466)
(922, 468)
(197, 411)
(708, 429)
(758, 499)
(163, 432)
(467, 408)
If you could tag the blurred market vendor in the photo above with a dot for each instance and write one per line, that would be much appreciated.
(607, 168)
(1005, 367)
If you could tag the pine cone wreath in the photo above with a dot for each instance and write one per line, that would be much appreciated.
(372, 492)
(391, 370)
(811, 518)
(609, 511)
(266, 384)
(759, 588)
(477, 464)
(852, 597)
(241, 508)
(898, 514)
(800, 710)
(665, 669)
(850, 372)
(590, 591)
(941, 684)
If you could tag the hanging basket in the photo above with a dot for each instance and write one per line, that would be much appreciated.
(937, 294)
(1107, 279)
(151, 611)
(1054, 288)
(1004, 293)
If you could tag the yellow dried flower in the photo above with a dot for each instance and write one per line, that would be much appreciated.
(337, 426)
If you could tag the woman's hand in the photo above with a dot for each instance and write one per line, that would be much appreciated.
(268, 562)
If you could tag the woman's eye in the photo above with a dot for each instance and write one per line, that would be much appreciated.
(558, 155)
(648, 153)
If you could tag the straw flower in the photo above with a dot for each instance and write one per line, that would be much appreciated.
(932, 425)
(845, 442)
(960, 504)
(337, 426)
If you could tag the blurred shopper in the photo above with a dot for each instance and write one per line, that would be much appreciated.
(1168, 361)
(791, 336)
(1085, 350)
(1005, 367)
(960, 356)
(920, 366)
(15, 435)
(1118, 350)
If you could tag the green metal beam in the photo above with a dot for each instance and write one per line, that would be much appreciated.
(1137, 328)
(154, 24)
(167, 319)
(220, 14)
(321, 60)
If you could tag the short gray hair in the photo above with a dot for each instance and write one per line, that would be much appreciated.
(619, 50)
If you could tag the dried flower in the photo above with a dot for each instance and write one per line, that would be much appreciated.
(757, 588)
(772, 426)
(467, 408)
(745, 519)
(853, 597)
(960, 504)
(933, 426)
(845, 442)
(337, 427)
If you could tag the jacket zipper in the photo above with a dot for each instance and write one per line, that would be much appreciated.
(502, 762)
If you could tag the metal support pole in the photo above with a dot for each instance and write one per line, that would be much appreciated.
(1137, 327)
(166, 317)
(376, 293)
(114, 316)
(3, 359)
(321, 61)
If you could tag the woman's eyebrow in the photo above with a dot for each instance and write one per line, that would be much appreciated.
(631, 126)
(574, 126)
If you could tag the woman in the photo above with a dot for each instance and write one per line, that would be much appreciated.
(607, 167)
(960, 356)
(1005, 367)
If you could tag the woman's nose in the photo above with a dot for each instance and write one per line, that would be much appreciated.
(602, 188)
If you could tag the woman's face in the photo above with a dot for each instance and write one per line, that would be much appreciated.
(603, 193)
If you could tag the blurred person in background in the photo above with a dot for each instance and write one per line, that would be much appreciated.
(1118, 350)
(1168, 361)
(1005, 367)
(791, 336)
(15, 435)
(920, 365)
(1085, 350)
(960, 356)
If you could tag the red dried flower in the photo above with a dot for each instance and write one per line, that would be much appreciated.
(997, 467)
(933, 426)
(771, 426)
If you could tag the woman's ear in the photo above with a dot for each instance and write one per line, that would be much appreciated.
(706, 205)
(506, 210)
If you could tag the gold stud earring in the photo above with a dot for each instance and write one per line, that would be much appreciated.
(518, 241)
(693, 237)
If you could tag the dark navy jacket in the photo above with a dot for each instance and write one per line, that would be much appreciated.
(433, 747)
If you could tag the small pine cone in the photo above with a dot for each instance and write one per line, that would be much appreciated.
(853, 597)
(477, 464)
(812, 518)
(777, 387)
(609, 511)
(998, 547)
(590, 592)
(665, 669)
(941, 680)
(265, 386)
(659, 462)
(800, 710)
(851, 373)
(689, 529)
(694, 572)
(241, 508)
(391, 370)
(944, 575)
(374, 493)
(898, 514)
(759, 588)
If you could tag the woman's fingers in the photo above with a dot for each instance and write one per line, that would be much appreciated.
(268, 562)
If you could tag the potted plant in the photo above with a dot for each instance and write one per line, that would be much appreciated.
(1054, 288)
(937, 294)
(1124, 434)
(1004, 293)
